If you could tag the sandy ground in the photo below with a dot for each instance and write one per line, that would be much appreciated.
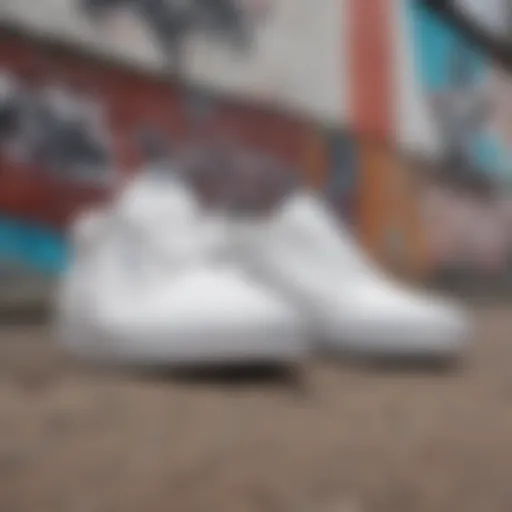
(336, 438)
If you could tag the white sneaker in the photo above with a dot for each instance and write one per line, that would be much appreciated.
(148, 285)
(313, 262)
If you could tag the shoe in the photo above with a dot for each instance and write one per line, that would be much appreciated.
(313, 262)
(150, 284)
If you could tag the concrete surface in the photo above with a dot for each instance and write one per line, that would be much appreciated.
(336, 438)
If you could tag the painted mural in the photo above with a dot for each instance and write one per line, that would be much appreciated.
(288, 54)
(171, 24)
(72, 130)
(465, 93)
(466, 200)
(61, 130)
(53, 135)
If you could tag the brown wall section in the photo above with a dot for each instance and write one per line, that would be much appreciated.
(390, 223)
(374, 162)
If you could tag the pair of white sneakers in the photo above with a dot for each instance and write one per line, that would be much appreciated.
(156, 280)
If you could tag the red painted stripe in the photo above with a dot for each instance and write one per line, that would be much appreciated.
(371, 67)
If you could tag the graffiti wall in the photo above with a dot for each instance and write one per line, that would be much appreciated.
(62, 130)
(288, 53)
(465, 200)
(469, 233)
(71, 132)
(56, 152)
(467, 96)
(357, 88)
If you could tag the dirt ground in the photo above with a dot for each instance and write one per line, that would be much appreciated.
(338, 437)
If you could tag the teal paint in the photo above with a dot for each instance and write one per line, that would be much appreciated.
(436, 44)
(33, 246)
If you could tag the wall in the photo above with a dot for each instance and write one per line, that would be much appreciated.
(331, 60)
(465, 103)
(42, 186)
(300, 61)
(419, 91)
(297, 57)
(383, 85)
